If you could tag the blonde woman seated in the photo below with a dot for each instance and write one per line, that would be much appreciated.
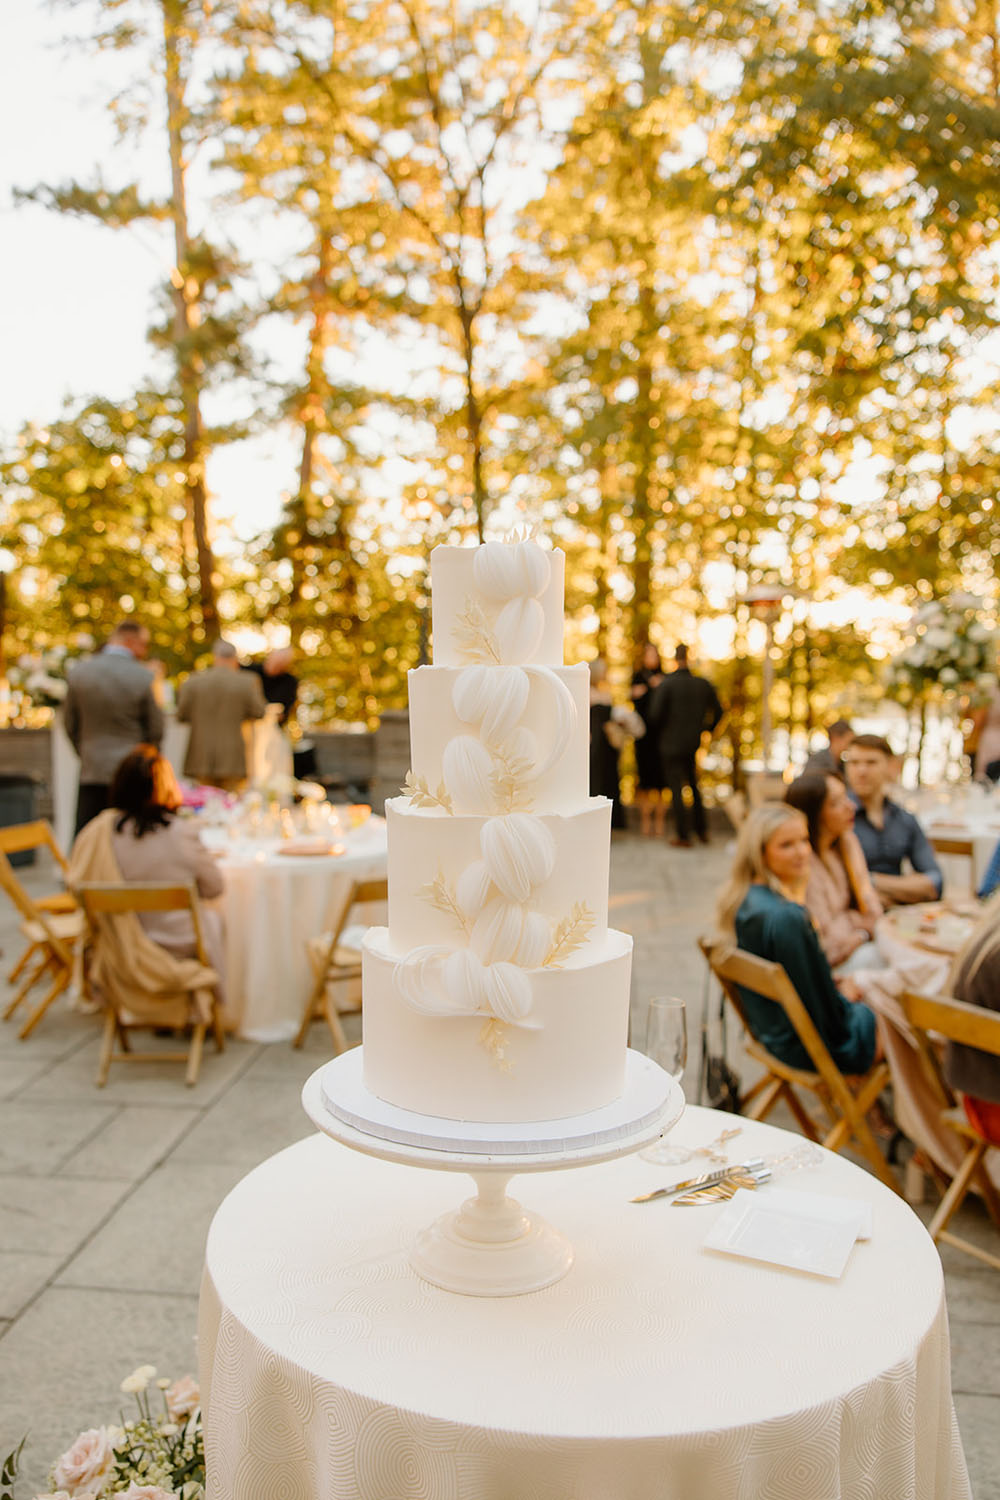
(840, 896)
(140, 838)
(762, 909)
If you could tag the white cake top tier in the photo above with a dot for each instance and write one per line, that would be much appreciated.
(500, 604)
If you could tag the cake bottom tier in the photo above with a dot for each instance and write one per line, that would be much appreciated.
(574, 1062)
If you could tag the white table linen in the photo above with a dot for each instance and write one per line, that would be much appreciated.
(273, 904)
(962, 813)
(655, 1369)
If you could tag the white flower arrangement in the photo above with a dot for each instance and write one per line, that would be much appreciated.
(949, 647)
(156, 1456)
(39, 678)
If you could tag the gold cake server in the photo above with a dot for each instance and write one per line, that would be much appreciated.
(707, 1179)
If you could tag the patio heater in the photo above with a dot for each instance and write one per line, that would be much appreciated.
(765, 602)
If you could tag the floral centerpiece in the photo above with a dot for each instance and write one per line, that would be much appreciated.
(949, 647)
(37, 680)
(157, 1455)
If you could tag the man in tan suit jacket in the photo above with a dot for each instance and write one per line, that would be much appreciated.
(217, 702)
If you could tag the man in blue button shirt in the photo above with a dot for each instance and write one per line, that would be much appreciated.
(888, 833)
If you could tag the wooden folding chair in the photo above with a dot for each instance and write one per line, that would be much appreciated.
(845, 1106)
(105, 903)
(959, 845)
(52, 925)
(335, 957)
(972, 1026)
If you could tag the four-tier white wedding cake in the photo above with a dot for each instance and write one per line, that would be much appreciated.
(497, 992)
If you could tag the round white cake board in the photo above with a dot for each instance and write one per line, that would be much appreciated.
(490, 1246)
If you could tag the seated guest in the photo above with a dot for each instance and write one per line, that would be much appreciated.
(140, 838)
(840, 897)
(762, 909)
(975, 978)
(831, 756)
(888, 834)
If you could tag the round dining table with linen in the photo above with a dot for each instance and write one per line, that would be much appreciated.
(657, 1369)
(275, 900)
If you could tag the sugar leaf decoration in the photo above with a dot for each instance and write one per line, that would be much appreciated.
(493, 1036)
(420, 794)
(571, 933)
(510, 772)
(473, 636)
(441, 896)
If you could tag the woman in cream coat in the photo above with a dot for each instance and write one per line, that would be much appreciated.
(146, 840)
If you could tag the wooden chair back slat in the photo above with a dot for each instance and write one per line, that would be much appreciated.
(117, 897)
(112, 898)
(945, 845)
(956, 1020)
(846, 1105)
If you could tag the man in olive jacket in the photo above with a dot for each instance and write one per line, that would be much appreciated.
(108, 710)
(682, 708)
(217, 702)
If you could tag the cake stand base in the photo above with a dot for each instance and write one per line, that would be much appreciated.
(490, 1246)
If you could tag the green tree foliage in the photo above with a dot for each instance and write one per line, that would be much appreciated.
(93, 505)
(708, 290)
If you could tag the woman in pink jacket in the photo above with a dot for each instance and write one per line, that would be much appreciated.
(840, 896)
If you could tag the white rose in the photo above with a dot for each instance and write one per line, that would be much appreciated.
(89, 1460)
(138, 1380)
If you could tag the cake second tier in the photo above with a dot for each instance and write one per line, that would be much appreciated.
(504, 886)
(486, 734)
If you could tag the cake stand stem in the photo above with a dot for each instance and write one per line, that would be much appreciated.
(490, 1247)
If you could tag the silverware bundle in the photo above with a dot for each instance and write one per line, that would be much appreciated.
(712, 1187)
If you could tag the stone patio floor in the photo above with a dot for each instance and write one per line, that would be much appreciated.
(107, 1195)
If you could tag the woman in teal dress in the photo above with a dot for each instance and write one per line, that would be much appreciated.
(762, 910)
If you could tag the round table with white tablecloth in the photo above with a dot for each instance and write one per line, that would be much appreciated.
(655, 1370)
(274, 902)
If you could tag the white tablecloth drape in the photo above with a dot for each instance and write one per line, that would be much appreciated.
(273, 904)
(654, 1371)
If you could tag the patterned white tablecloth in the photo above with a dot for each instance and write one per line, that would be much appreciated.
(273, 904)
(654, 1371)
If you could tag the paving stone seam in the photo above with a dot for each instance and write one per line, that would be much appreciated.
(130, 1190)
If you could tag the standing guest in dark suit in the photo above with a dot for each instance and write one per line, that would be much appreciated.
(110, 708)
(217, 702)
(278, 681)
(603, 749)
(649, 770)
(829, 761)
(682, 709)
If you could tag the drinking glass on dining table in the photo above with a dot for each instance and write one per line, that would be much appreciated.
(666, 1044)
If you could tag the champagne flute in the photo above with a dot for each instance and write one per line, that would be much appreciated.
(666, 1044)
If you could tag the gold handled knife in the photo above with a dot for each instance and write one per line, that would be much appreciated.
(707, 1179)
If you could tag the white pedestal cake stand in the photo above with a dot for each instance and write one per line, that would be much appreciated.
(491, 1247)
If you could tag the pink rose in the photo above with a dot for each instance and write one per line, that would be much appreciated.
(147, 1492)
(88, 1462)
(65, 1495)
(183, 1397)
